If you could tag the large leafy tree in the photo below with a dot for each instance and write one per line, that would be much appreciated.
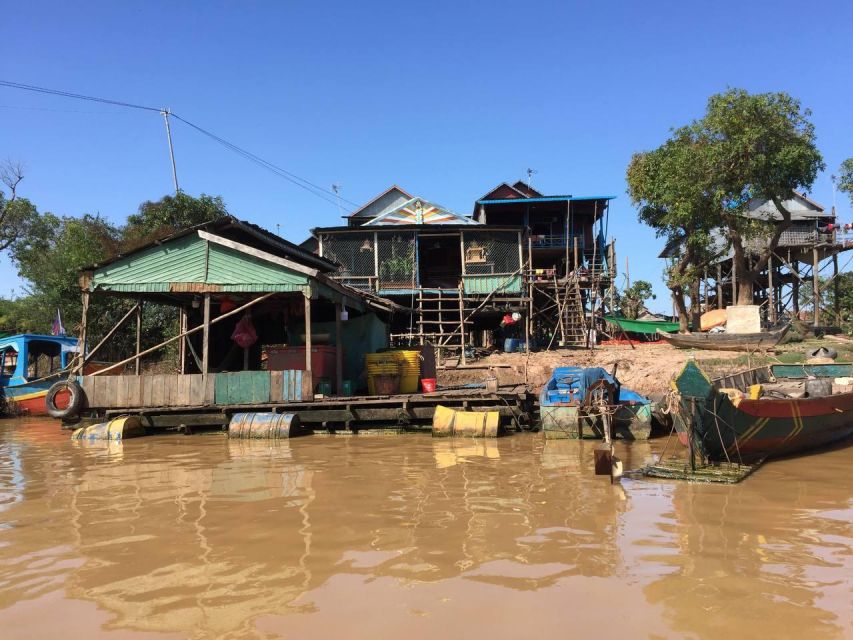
(758, 146)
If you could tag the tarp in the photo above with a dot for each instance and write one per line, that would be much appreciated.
(642, 326)
(580, 379)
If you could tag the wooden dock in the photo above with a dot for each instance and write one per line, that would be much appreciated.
(191, 401)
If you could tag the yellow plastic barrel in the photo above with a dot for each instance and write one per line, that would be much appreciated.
(475, 424)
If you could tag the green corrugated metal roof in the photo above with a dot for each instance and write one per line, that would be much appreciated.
(229, 266)
(181, 260)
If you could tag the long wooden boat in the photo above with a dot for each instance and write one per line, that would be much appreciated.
(647, 327)
(726, 341)
(563, 411)
(764, 412)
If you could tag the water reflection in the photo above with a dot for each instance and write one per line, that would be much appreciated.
(208, 537)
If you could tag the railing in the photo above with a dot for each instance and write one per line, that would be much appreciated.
(557, 241)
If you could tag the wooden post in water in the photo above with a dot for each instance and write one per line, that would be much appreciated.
(816, 285)
(138, 362)
(205, 341)
(339, 349)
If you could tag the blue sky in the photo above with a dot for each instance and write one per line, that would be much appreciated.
(446, 99)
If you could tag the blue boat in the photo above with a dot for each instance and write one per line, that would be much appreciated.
(29, 365)
(564, 410)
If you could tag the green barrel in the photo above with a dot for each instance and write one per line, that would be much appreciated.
(265, 425)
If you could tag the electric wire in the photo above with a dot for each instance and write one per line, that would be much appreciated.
(314, 189)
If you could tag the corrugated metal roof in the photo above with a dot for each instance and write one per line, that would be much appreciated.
(544, 199)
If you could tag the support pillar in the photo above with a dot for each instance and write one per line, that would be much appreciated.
(816, 285)
(339, 349)
(836, 289)
(182, 348)
(771, 291)
(308, 344)
(720, 304)
(138, 362)
(84, 324)
(205, 341)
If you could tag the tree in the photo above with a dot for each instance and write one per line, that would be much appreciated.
(632, 301)
(845, 179)
(670, 188)
(160, 218)
(16, 213)
(757, 146)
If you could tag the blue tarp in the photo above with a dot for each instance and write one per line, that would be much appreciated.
(570, 384)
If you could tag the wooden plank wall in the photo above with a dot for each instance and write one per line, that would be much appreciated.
(175, 390)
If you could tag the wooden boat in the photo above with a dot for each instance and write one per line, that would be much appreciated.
(29, 365)
(726, 341)
(645, 327)
(564, 408)
(764, 412)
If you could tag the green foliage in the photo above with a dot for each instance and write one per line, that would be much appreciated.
(845, 178)
(157, 219)
(632, 301)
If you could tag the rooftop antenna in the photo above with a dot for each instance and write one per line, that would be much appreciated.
(530, 173)
(337, 189)
(166, 112)
(832, 179)
(277, 229)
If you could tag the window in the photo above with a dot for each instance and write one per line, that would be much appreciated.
(8, 361)
(43, 359)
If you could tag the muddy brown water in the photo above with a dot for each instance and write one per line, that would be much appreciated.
(409, 536)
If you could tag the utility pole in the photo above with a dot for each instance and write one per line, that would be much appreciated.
(165, 113)
(337, 189)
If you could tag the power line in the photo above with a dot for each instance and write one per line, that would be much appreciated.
(309, 186)
(78, 96)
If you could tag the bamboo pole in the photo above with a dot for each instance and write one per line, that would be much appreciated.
(816, 285)
(205, 341)
(183, 345)
(771, 292)
(308, 341)
(111, 332)
(83, 332)
(138, 363)
(181, 335)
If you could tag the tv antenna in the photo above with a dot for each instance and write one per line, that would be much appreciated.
(530, 174)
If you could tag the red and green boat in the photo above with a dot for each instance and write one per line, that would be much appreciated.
(765, 412)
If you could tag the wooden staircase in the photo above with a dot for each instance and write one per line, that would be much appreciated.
(573, 321)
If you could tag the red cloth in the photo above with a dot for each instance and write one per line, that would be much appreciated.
(244, 333)
(507, 320)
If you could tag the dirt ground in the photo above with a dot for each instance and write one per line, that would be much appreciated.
(646, 369)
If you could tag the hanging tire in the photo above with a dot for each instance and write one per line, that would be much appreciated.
(76, 399)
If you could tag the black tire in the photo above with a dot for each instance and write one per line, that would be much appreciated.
(74, 403)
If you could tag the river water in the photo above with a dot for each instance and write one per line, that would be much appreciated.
(409, 536)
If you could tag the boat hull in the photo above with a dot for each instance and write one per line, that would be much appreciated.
(29, 399)
(725, 341)
(747, 430)
(630, 422)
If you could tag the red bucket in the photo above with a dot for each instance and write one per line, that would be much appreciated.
(428, 385)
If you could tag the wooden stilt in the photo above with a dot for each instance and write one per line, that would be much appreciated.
(205, 341)
(771, 292)
(339, 350)
(84, 325)
(836, 289)
(816, 285)
(138, 362)
(720, 304)
(308, 341)
(182, 348)
(462, 324)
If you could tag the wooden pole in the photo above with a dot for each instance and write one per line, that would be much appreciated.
(816, 285)
(575, 253)
(184, 334)
(205, 341)
(308, 344)
(528, 321)
(795, 295)
(771, 292)
(110, 333)
(462, 324)
(183, 344)
(734, 282)
(720, 304)
(707, 295)
(339, 349)
(836, 288)
(138, 363)
(83, 332)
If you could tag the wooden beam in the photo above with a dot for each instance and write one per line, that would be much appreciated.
(836, 287)
(83, 333)
(182, 351)
(339, 350)
(720, 304)
(771, 292)
(257, 253)
(205, 341)
(138, 335)
(308, 344)
(816, 285)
